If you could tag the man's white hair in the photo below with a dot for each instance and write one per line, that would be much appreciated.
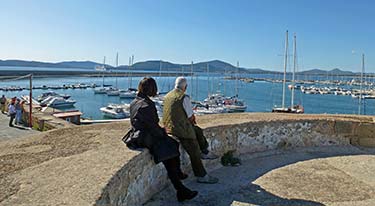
(180, 83)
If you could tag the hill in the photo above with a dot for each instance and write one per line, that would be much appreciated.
(215, 66)
(65, 64)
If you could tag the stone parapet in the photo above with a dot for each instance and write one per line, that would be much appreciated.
(89, 165)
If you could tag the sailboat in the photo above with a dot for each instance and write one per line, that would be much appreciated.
(293, 108)
(114, 91)
(234, 104)
(101, 90)
(131, 92)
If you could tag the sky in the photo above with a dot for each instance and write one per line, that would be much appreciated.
(330, 33)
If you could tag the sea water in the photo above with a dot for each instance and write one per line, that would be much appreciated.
(259, 96)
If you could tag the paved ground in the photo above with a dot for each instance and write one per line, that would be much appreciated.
(7, 132)
(311, 176)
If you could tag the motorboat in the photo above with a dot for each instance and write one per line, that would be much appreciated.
(100, 90)
(297, 109)
(113, 92)
(200, 109)
(58, 102)
(44, 95)
(235, 105)
(116, 111)
(128, 94)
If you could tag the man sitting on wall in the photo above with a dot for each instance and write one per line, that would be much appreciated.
(179, 120)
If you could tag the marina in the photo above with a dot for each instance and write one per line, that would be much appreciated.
(318, 96)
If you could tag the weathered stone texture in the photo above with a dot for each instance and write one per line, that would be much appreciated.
(90, 165)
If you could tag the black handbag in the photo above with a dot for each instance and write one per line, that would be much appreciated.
(129, 140)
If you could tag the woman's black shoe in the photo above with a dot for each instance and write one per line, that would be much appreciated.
(183, 176)
(186, 195)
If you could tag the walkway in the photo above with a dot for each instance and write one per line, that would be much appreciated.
(7, 132)
(313, 176)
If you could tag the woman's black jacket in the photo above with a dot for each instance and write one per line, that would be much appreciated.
(145, 125)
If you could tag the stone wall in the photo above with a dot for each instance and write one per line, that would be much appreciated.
(138, 180)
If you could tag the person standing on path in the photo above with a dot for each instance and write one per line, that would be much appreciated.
(11, 113)
(3, 101)
(179, 121)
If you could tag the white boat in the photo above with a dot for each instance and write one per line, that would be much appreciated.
(116, 111)
(113, 92)
(231, 104)
(129, 94)
(44, 95)
(205, 109)
(58, 102)
(293, 108)
(100, 90)
(235, 105)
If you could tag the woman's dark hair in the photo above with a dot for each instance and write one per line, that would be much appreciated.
(147, 86)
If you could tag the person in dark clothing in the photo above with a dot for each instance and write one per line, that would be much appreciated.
(3, 101)
(149, 134)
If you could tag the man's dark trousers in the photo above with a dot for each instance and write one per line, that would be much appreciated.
(194, 147)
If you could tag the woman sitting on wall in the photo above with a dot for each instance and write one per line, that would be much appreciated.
(146, 133)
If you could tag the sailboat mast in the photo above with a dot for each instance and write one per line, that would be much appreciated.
(191, 80)
(132, 62)
(294, 67)
(208, 79)
(238, 65)
(285, 65)
(129, 77)
(116, 69)
(360, 85)
(225, 81)
(160, 69)
(103, 71)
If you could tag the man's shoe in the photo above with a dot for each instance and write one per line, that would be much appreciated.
(187, 194)
(207, 179)
(209, 156)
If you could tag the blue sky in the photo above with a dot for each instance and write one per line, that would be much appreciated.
(330, 33)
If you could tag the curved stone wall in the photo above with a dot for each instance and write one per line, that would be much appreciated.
(140, 178)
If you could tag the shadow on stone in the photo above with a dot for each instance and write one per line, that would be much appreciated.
(254, 194)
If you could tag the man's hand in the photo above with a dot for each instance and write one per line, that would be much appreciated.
(167, 130)
(192, 120)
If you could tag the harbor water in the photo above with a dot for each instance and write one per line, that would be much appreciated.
(259, 96)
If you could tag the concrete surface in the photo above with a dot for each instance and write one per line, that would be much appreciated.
(74, 166)
(342, 175)
(7, 133)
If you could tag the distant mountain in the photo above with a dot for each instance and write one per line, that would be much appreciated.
(335, 71)
(65, 64)
(216, 66)
(80, 64)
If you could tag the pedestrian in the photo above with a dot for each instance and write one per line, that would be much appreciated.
(11, 113)
(13, 100)
(3, 101)
(18, 107)
(179, 120)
